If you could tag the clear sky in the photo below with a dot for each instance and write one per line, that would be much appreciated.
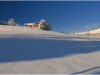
(62, 15)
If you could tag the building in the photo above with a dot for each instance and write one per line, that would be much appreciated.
(40, 25)
(29, 24)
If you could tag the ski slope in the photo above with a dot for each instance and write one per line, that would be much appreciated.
(33, 51)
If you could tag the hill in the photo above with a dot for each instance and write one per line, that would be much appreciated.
(34, 51)
(95, 32)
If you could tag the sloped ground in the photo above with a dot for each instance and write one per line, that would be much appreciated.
(33, 51)
(95, 32)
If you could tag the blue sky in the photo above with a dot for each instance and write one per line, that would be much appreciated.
(62, 15)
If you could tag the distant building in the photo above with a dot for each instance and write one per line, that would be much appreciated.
(29, 24)
(41, 25)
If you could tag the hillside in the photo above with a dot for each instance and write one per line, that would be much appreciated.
(95, 32)
(26, 50)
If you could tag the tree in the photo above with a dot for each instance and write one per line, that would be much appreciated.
(17, 24)
(45, 25)
(3, 23)
(11, 22)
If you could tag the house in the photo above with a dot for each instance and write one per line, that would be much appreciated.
(41, 25)
(29, 24)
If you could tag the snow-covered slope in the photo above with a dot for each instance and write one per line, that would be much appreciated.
(96, 31)
(33, 51)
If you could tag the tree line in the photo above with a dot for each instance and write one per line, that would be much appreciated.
(10, 22)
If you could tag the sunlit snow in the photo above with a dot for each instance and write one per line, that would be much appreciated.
(33, 51)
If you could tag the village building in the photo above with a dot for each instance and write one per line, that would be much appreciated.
(29, 24)
(40, 25)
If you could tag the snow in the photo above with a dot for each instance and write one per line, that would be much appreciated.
(91, 31)
(33, 51)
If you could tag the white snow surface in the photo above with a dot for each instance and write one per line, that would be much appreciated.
(95, 31)
(32, 51)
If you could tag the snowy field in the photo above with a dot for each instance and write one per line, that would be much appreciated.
(33, 51)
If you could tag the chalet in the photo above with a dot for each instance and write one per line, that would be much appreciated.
(41, 25)
(29, 24)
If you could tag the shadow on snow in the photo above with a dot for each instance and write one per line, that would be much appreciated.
(17, 49)
(91, 69)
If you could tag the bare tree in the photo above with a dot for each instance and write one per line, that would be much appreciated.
(17, 24)
(11, 22)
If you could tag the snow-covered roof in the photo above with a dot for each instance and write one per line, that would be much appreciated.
(29, 23)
